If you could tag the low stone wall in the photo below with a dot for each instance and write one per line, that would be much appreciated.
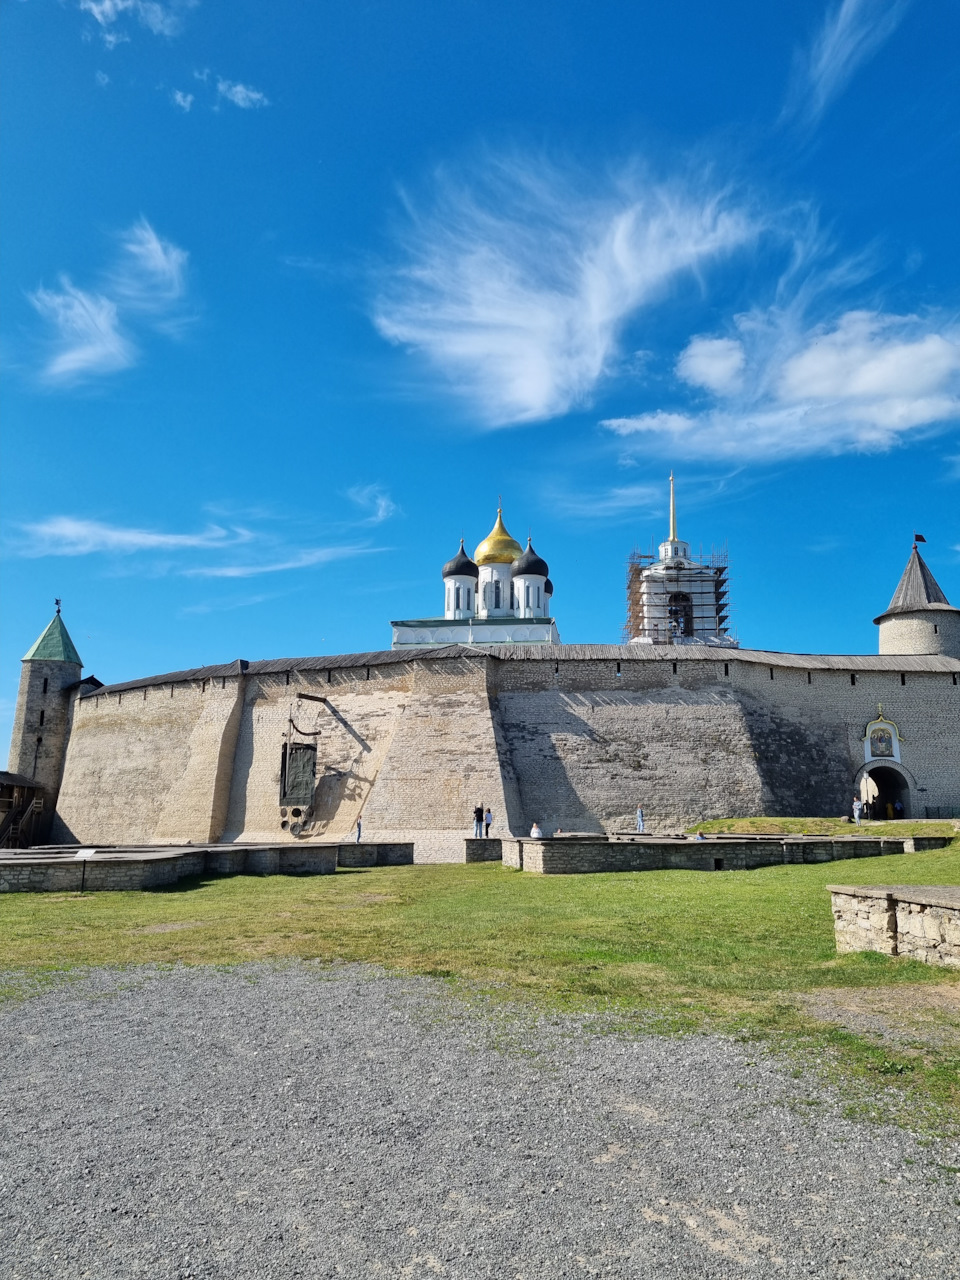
(920, 921)
(566, 855)
(381, 854)
(102, 870)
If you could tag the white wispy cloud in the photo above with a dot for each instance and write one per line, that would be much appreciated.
(91, 333)
(301, 560)
(149, 274)
(860, 382)
(224, 606)
(713, 363)
(102, 79)
(162, 19)
(86, 337)
(852, 32)
(70, 536)
(241, 95)
(375, 500)
(618, 501)
(515, 285)
(182, 100)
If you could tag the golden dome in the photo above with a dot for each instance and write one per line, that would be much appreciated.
(498, 547)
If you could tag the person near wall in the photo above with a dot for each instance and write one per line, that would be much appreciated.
(359, 826)
(478, 821)
(640, 824)
(535, 832)
(898, 808)
(487, 822)
(857, 809)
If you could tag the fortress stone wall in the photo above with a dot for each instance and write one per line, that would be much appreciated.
(573, 736)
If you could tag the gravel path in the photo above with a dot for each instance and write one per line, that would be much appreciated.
(313, 1122)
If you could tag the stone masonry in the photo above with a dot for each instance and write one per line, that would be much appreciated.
(572, 736)
(919, 921)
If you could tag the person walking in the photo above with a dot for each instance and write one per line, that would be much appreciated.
(478, 821)
(857, 809)
(898, 808)
(641, 829)
(487, 823)
(359, 826)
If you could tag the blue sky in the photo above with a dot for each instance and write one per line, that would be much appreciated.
(291, 292)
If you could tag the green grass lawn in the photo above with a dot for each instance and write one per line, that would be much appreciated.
(682, 948)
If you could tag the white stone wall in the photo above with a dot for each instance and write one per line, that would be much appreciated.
(574, 742)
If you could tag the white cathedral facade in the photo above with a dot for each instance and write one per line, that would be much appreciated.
(502, 596)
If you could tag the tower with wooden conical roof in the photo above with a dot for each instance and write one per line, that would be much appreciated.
(919, 619)
(50, 670)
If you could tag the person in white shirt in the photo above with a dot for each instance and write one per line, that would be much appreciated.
(535, 832)
(640, 822)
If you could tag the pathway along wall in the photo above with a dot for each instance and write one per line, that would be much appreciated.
(572, 737)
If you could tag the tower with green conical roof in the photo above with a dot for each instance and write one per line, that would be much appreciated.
(51, 668)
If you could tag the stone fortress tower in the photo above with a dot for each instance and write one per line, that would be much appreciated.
(502, 596)
(677, 598)
(49, 676)
(919, 618)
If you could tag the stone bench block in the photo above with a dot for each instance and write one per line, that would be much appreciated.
(399, 854)
(484, 849)
(308, 860)
(225, 861)
(263, 862)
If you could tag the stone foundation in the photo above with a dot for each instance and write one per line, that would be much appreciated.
(577, 855)
(375, 855)
(61, 870)
(919, 921)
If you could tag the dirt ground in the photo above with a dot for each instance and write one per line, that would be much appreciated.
(916, 1015)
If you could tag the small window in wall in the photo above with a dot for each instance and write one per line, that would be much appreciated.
(42, 715)
(538, 597)
(618, 669)
(527, 595)
(809, 678)
(298, 767)
(469, 594)
(457, 595)
(903, 678)
(853, 677)
(45, 683)
(771, 673)
(674, 668)
(936, 631)
(496, 594)
(726, 668)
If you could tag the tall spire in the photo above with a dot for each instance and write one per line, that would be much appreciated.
(673, 512)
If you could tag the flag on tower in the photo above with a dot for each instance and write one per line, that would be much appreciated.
(918, 537)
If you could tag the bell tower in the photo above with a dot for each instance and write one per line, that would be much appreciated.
(50, 668)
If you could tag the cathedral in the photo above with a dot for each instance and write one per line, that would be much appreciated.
(501, 596)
